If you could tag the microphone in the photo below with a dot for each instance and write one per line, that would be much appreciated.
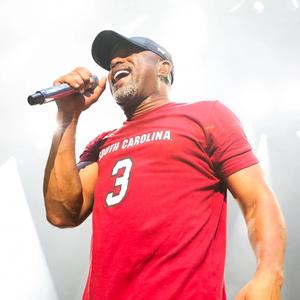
(55, 92)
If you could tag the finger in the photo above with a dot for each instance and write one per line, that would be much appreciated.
(72, 79)
(98, 90)
(101, 86)
(102, 82)
(93, 95)
(85, 75)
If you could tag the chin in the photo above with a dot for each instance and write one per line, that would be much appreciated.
(125, 94)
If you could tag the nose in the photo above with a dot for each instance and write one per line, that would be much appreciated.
(116, 61)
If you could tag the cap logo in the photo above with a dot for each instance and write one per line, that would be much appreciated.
(161, 51)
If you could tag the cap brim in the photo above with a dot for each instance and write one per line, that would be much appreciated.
(103, 45)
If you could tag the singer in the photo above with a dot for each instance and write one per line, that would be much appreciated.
(157, 185)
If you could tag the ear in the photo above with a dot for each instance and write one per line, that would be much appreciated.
(164, 68)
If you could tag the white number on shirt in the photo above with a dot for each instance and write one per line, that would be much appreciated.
(121, 181)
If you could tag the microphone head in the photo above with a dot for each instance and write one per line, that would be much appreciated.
(95, 81)
(36, 98)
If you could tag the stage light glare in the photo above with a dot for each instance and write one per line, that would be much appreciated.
(258, 6)
(262, 152)
(295, 3)
(237, 6)
(22, 258)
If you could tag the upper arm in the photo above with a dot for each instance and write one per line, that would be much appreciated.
(250, 189)
(88, 177)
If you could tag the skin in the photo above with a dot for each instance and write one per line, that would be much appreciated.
(68, 193)
(266, 231)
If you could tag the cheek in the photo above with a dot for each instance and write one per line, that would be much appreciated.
(150, 77)
(146, 68)
(147, 74)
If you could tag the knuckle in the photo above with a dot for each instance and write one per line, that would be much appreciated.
(84, 73)
(78, 79)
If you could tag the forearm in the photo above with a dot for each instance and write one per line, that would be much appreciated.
(267, 235)
(62, 186)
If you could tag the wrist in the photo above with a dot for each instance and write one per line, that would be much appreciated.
(64, 119)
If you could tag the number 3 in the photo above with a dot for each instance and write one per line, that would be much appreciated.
(121, 181)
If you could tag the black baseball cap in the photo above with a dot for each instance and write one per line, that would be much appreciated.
(107, 40)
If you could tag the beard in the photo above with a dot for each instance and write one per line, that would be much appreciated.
(125, 93)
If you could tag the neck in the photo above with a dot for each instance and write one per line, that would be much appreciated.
(145, 105)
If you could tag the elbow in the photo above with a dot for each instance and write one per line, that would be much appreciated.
(61, 215)
(61, 222)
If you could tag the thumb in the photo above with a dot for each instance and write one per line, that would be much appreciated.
(102, 83)
(99, 89)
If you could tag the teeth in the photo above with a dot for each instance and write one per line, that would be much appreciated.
(125, 72)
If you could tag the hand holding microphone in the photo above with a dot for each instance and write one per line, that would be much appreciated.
(78, 82)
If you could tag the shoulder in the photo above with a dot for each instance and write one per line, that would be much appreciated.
(98, 140)
(205, 111)
(208, 105)
(205, 106)
(91, 150)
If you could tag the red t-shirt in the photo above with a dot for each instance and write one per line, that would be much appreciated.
(159, 215)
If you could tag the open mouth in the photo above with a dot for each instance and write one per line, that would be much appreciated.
(120, 74)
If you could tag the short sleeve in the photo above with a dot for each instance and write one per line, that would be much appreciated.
(91, 151)
(228, 146)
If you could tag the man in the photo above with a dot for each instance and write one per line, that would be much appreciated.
(157, 185)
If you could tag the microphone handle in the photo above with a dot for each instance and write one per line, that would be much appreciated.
(55, 92)
(50, 94)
